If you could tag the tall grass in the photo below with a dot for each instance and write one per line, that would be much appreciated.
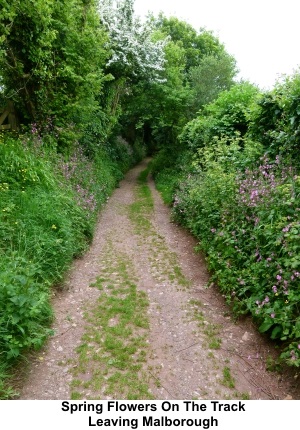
(48, 209)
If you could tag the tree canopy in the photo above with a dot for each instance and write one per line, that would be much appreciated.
(97, 68)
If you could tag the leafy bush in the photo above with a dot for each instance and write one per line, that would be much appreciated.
(275, 120)
(227, 116)
(167, 170)
(247, 220)
(24, 307)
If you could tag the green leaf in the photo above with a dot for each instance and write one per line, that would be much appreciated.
(276, 332)
(265, 326)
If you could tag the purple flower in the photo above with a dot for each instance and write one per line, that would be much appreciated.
(272, 315)
(274, 288)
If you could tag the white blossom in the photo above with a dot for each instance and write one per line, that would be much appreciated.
(131, 41)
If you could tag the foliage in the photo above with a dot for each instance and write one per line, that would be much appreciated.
(275, 120)
(24, 311)
(241, 199)
(52, 57)
(156, 111)
(227, 116)
(213, 75)
(196, 45)
(248, 224)
(168, 170)
(48, 208)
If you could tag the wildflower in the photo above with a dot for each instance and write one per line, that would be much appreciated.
(272, 315)
(213, 230)
(278, 277)
(274, 288)
(54, 227)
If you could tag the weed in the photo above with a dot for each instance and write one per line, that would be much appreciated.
(215, 343)
(273, 365)
(228, 380)
(75, 395)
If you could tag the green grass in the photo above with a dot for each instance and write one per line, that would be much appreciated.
(163, 261)
(46, 220)
(228, 380)
(215, 343)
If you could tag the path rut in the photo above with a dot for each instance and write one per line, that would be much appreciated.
(194, 349)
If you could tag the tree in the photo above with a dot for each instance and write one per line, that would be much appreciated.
(135, 55)
(196, 44)
(196, 69)
(53, 56)
(213, 75)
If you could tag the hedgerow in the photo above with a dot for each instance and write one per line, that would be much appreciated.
(241, 198)
(49, 204)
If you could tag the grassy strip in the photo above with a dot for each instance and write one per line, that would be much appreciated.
(164, 263)
(113, 354)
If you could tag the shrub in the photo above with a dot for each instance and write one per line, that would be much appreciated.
(24, 307)
(275, 120)
(247, 220)
(225, 117)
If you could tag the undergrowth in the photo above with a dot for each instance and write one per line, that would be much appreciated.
(48, 209)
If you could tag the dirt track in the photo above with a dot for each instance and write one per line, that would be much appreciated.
(194, 348)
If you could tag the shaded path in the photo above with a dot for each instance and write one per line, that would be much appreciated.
(193, 349)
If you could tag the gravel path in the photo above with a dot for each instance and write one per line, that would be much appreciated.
(195, 349)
